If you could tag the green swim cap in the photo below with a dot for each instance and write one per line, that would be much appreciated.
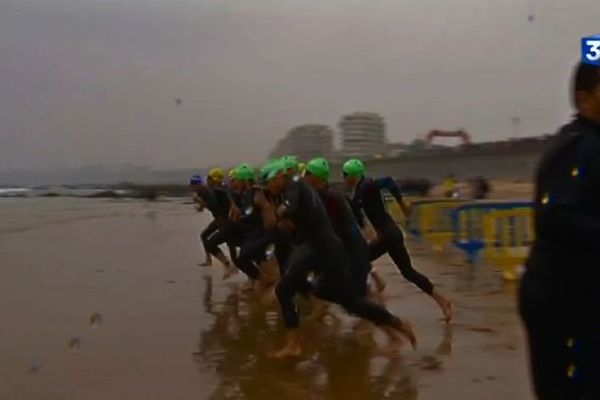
(274, 169)
(264, 171)
(244, 172)
(319, 167)
(290, 162)
(354, 167)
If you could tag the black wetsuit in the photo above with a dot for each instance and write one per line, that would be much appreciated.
(227, 231)
(250, 235)
(367, 197)
(306, 210)
(347, 229)
(559, 294)
(216, 200)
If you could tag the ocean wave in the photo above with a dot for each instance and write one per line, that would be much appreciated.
(14, 192)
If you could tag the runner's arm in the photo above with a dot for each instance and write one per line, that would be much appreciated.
(389, 184)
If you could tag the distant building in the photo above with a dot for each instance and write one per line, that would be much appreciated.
(363, 135)
(306, 142)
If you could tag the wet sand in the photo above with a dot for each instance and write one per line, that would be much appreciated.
(172, 330)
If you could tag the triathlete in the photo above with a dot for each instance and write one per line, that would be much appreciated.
(304, 211)
(390, 239)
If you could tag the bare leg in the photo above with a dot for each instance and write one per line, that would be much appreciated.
(395, 340)
(378, 279)
(230, 269)
(445, 305)
(207, 261)
(405, 329)
(204, 238)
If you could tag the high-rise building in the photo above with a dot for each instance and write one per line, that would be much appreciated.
(306, 142)
(363, 135)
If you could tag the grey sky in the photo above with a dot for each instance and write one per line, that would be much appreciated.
(94, 81)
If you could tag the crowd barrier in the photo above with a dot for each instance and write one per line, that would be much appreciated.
(508, 234)
(469, 233)
(499, 232)
(431, 221)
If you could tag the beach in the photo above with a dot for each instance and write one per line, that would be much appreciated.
(103, 299)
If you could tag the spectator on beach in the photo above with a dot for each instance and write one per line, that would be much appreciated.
(450, 186)
(559, 296)
(480, 188)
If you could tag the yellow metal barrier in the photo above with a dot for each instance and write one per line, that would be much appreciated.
(500, 232)
(508, 235)
(435, 222)
(469, 232)
(430, 220)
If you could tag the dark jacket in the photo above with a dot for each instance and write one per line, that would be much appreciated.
(567, 210)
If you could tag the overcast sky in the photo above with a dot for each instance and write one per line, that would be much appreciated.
(95, 81)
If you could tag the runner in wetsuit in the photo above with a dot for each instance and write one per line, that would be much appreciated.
(229, 232)
(304, 210)
(284, 239)
(204, 198)
(254, 219)
(316, 174)
(367, 197)
(246, 227)
(215, 197)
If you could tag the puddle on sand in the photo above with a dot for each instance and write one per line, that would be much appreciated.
(335, 364)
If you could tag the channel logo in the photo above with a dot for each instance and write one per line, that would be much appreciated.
(590, 50)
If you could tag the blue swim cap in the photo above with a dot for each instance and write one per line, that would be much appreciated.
(196, 180)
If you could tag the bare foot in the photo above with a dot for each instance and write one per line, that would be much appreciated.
(230, 270)
(405, 328)
(291, 348)
(445, 348)
(408, 331)
(287, 351)
(395, 343)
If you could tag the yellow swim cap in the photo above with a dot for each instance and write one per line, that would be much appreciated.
(216, 174)
(231, 174)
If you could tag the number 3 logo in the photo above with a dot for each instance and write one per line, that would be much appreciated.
(593, 53)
